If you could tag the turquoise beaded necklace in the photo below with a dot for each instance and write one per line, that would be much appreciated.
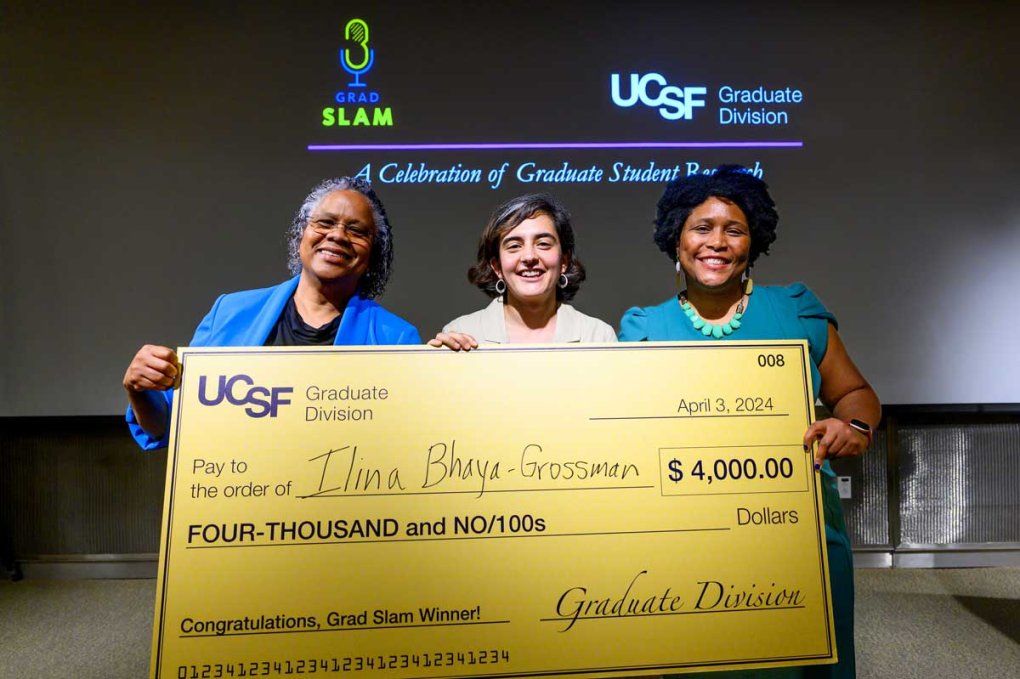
(716, 330)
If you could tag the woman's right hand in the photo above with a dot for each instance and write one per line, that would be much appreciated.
(458, 341)
(153, 367)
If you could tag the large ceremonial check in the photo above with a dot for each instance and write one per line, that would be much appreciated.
(517, 511)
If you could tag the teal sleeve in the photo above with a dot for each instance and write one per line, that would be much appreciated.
(634, 325)
(814, 318)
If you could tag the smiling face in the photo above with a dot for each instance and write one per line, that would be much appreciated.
(714, 245)
(531, 260)
(336, 245)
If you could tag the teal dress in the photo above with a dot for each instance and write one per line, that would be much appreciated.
(775, 312)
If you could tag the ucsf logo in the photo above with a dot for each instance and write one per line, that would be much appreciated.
(262, 400)
(651, 89)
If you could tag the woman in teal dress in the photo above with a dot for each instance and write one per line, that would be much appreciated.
(714, 227)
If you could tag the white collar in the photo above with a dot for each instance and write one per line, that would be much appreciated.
(568, 324)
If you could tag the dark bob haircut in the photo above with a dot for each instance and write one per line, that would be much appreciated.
(730, 182)
(508, 216)
(380, 261)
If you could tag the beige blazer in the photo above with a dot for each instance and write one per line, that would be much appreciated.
(489, 325)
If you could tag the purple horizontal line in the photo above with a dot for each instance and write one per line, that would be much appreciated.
(562, 145)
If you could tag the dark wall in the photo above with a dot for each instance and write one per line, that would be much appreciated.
(78, 485)
(154, 153)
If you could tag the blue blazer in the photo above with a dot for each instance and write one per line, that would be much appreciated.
(245, 319)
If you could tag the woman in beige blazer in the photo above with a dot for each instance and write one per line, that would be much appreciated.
(526, 263)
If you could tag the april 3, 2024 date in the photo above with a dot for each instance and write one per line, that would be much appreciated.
(718, 405)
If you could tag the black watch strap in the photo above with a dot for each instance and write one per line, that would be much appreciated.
(862, 427)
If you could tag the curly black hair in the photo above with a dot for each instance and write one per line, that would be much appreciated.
(731, 182)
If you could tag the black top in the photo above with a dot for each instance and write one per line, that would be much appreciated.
(292, 331)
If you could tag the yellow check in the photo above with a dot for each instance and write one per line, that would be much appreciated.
(411, 512)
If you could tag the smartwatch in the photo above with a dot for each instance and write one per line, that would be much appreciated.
(864, 428)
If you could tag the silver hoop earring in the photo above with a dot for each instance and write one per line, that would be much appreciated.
(564, 281)
(500, 286)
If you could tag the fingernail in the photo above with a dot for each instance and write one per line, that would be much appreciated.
(805, 448)
(817, 466)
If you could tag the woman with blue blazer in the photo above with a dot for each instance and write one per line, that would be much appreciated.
(341, 251)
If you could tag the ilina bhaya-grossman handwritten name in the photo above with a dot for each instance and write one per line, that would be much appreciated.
(345, 471)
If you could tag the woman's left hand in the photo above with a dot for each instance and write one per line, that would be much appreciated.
(457, 341)
(847, 395)
(835, 438)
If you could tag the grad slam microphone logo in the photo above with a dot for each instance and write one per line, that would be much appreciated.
(357, 57)
(262, 401)
(653, 90)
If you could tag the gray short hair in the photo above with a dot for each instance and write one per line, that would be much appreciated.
(380, 261)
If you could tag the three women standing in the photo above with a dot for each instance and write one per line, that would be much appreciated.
(713, 227)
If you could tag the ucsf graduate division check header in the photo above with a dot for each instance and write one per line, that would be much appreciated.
(534, 510)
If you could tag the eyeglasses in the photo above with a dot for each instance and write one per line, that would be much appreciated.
(356, 232)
